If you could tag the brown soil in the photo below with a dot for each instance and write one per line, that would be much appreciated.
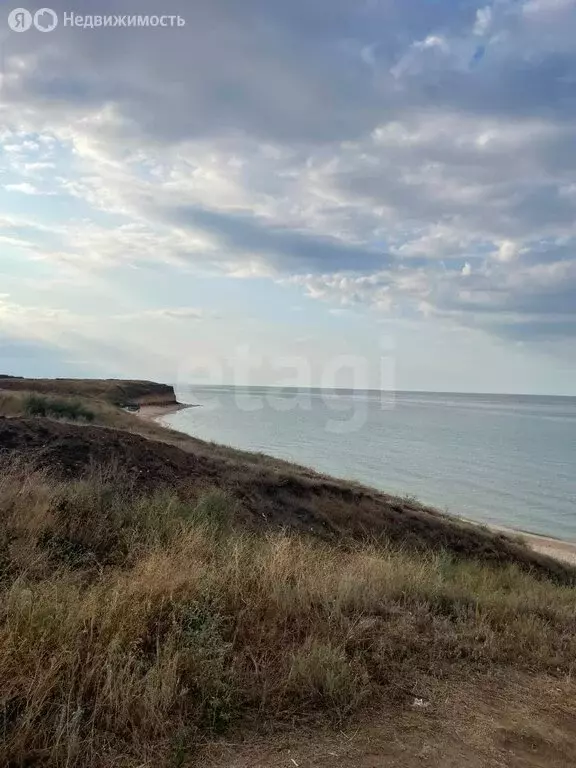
(502, 722)
(270, 495)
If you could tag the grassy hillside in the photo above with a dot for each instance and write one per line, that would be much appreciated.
(159, 594)
(268, 496)
(109, 390)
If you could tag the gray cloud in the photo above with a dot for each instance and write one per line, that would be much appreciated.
(412, 141)
(287, 250)
(292, 72)
(22, 357)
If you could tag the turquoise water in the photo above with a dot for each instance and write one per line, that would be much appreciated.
(502, 459)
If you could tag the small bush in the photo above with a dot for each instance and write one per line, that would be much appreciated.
(37, 405)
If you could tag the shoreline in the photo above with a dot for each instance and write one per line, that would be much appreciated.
(157, 412)
(545, 545)
(561, 549)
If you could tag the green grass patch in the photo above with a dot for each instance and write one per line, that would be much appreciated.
(59, 408)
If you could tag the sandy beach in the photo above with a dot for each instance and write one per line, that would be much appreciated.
(561, 550)
(546, 545)
(157, 412)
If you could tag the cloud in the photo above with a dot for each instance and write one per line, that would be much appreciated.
(170, 313)
(24, 357)
(286, 250)
(483, 20)
(403, 158)
(24, 187)
(117, 345)
(508, 250)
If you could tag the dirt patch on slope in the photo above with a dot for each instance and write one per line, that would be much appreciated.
(270, 496)
(511, 720)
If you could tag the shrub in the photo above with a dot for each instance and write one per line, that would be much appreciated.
(38, 405)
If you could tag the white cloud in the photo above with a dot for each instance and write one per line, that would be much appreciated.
(507, 251)
(432, 41)
(169, 313)
(24, 187)
(483, 20)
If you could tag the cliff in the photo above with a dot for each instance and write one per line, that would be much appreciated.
(112, 390)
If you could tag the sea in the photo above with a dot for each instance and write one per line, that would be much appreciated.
(506, 460)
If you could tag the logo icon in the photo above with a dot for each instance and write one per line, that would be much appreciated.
(19, 20)
(45, 20)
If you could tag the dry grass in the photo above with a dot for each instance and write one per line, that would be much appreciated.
(107, 414)
(269, 496)
(13, 403)
(18, 403)
(134, 627)
(110, 390)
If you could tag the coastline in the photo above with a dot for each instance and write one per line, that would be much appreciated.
(545, 545)
(157, 412)
(561, 549)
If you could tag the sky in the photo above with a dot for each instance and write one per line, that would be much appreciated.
(371, 193)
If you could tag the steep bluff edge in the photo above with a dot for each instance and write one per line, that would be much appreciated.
(112, 390)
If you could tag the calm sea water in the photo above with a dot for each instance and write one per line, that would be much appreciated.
(502, 459)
